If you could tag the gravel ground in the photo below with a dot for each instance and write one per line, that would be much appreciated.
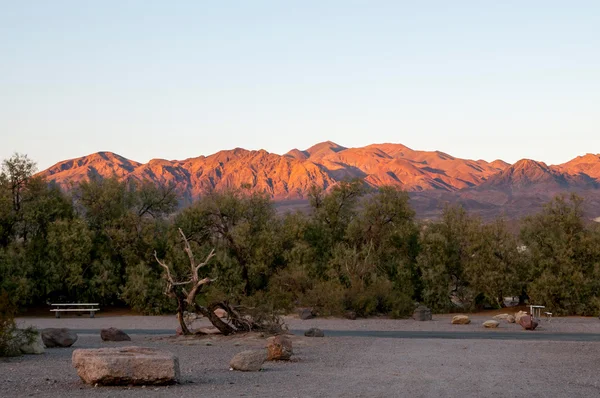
(439, 323)
(332, 366)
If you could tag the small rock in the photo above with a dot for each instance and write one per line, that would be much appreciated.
(58, 337)
(501, 317)
(527, 322)
(351, 315)
(31, 344)
(306, 313)
(248, 361)
(422, 313)
(314, 332)
(113, 334)
(279, 348)
(519, 315)
(460, 320)
(221, 313)
(491, 324)
(511, 319)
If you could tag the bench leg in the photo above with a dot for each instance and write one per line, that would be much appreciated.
(57, 314)
(91, 314)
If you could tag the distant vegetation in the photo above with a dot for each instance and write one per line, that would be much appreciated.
(356, 250)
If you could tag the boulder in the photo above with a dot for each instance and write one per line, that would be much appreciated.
(53, 337)
(279, 348)
(518, 315)
(460, 320)
(314, 332)
(527, 322)
(422, 313)
(306, 313)
(510, 319)
(248, 361)
(491, 324)
(126, 366)
(501, 317)
(31, 343)
(221, 313)
(113, 334)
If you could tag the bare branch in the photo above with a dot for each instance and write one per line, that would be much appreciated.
(190, 254)
(166, 267)
(192, 294)
(211, 255)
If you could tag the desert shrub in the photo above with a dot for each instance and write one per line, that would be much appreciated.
(379, 297)
(326, 297)
(7, 327)
(288, 285)
(144, 291)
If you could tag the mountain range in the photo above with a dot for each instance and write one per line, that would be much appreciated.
(431, 177)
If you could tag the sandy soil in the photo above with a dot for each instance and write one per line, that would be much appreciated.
(332, 366)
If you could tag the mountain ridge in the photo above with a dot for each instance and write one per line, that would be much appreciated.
(290, 176)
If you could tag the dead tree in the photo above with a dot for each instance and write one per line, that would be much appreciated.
(186, 299)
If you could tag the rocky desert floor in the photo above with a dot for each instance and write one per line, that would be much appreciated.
(357, 358)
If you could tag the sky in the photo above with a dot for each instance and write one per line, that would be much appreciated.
(177, 79)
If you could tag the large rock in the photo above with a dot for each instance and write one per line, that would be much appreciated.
(248, 361)
(306, 313)
(113, 334)
(314, 332)
(125, 366)
(491, 324)
(501, 317)
(279, 348)
(422, 313)
(58, 337)
(511, 319)
(519, 315)
(527, 322)
(31, 342)
(460, 320)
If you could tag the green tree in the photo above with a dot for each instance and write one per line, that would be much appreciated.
(493, 268)
(446, 248)
(563, 257)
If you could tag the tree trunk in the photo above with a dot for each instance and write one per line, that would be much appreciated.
(214, 319)
(180, 309)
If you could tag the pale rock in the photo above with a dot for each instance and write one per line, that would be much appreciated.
(126, 366)
(248, 361)
(32, 345)
(460, 320)
(491, 324)
(519, 315)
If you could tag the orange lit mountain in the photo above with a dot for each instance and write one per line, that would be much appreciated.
(432, 177)
(290, 175)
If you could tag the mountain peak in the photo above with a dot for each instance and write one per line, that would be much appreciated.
(323, 149)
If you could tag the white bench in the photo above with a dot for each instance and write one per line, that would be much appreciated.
(75, 307)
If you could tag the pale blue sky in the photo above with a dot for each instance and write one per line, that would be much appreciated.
(177, 79)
